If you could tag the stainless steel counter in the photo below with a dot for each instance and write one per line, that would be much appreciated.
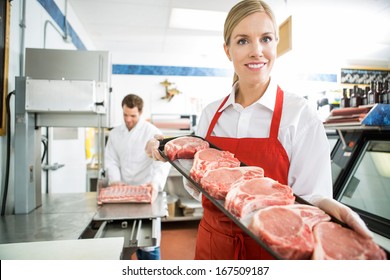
(64, 219)
(61, 217)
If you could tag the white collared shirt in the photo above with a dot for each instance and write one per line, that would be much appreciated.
(126, 160)
(301, 133)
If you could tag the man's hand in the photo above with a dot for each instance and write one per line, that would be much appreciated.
(151, 148)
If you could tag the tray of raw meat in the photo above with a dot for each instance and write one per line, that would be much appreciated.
(284, 224)
(124, 193)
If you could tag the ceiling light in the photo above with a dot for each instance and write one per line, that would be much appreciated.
(197, 19)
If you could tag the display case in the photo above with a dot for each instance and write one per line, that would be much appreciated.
(334, 143)
(361, 176)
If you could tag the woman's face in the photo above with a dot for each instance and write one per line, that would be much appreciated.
(252, 48)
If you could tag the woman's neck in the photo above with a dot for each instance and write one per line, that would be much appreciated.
(247, 94)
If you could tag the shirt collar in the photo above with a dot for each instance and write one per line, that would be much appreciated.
(267, 100)
(124, 127)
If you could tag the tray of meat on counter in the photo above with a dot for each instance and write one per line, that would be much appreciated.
(284, 224)
(122, 201)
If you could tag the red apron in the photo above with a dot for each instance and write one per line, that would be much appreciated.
(218, 236)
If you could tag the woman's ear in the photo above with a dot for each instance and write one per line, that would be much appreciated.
(226, 48)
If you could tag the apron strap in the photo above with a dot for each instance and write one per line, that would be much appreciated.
(275, 123)
(277, 115)
(216, 117)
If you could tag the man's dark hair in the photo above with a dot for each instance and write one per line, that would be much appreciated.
(132, 100)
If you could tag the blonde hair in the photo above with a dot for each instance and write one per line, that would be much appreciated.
(239, 12)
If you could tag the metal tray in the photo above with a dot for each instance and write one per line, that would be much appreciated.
(130, 210)
(122, 211)
(184, 167)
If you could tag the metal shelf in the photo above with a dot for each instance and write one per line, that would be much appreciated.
(181, 218)
(355, 127)
(376, 119)
(340, 128)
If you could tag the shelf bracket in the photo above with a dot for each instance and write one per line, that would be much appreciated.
(342, 138)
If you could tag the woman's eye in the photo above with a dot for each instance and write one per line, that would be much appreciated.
(242, 41)
(267, 39)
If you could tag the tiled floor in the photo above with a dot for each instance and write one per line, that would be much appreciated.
(178, 240)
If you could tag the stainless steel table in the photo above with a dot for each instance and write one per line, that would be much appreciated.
(138, 223)
(65, 219)
(61, 217)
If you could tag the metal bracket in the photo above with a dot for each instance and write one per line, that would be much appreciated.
(100, 231)
(52, 167)
(133, 239)
(342, 138)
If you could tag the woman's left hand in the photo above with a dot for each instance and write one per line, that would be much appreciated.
(343, 213)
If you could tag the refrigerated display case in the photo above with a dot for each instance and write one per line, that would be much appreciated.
(361, 176)
(334, 139)
(334, 143)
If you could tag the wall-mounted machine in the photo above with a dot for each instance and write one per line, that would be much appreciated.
(62, 88)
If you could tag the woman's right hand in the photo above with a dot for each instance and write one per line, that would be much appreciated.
(151, 148)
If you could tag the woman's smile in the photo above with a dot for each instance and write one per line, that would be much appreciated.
(255, 66)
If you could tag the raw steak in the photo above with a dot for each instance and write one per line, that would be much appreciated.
(209, 159)
(184, 147)
(334, 242)
(256, 194)
(287, 229)
(121, 193)
(219, 181)
(311, 215)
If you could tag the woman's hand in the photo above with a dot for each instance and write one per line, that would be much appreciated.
(151, 148)
(343, 213)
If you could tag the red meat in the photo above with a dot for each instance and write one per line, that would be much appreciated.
(209, 159)
(334, 242)
(219, 181)
(122, 193)
(287, 229)
(184, 147)
(256, 194)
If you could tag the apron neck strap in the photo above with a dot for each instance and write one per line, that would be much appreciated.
(277, 115)
(216, 117)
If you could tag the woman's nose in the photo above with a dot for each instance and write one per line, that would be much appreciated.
(256, 50)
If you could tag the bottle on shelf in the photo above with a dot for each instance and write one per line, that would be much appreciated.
(351, 97)
(344, 102)
(365, 96)
(388, 94)
(373, 96)
(383, 97)
(355, 99)
(378, 90)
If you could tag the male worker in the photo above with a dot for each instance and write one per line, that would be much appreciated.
(126, 160)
